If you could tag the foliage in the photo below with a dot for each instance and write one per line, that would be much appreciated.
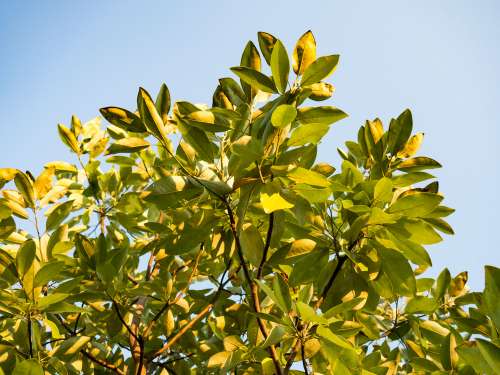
(198, 239)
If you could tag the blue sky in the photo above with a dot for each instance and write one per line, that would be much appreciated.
(439, 58)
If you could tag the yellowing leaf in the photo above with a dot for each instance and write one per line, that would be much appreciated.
(411, 146)
(304, 53)
(266, 44)
(376, 129)
(127, 145)
(274, 202)
(43, 182)
(68, 138)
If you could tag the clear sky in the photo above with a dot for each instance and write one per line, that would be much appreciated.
(439, 58)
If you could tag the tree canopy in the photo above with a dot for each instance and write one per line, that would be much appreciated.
(197, 239)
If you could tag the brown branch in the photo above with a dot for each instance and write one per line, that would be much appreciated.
(266, 246)
(253, 287)
(304, 360)
(183, 330)
(98, 361)
(102, 363)
(120, 317)
(331, 280)
(341, 260)
(29, 335)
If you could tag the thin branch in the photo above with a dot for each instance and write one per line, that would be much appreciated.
(253, 287)
(116, 308)
(30, 335)
(266, 246)
(183, 330)
(98, 361)
(102, 363)
(304, 360)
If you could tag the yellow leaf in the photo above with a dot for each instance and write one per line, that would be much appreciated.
(376, 129)
(411, 146)
(43, 182)
(274, 202)
(304, 53)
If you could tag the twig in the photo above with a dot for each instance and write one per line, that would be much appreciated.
(183, 330)
(102, 363)
(120, 317)
(253, 287)
(304, 361)
(266, 246)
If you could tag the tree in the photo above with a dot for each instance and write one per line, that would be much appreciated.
(208, 240)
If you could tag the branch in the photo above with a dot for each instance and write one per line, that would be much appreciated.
(98, 361)
(329, 284)
(102, 363)
(253, 287)
(266, 246)
(29, 335)
(304, 360)
(120, 317)
(183, 330)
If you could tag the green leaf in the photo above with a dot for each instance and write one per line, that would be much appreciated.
(411, 178)
(282, 293)
(251, 244)
(417, 204)
(274, 202)
(150, 116)
(124, 119)
(305, 176)
(283, 115)
(383, 190)
(197, 139)
(491, 300)
(49, 272)
(421, 305)
(25, 257)
(441, 285)
(280, 66)
(233, 91)
(266, 44)
(325, 115)
(304, 53)
(25, 187)
(255, 78)
(319, 69)
(127, 145)
(51, 299)
(68, 138)
(398, 271)
(58, 214)
(306, 269)
(490, 353)
(469, 352)
(162, 103)
(70, 348)
(275, 336)
(399, 132)
(304, 134)
(28, 367)
(308, 314)
(327, 334)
